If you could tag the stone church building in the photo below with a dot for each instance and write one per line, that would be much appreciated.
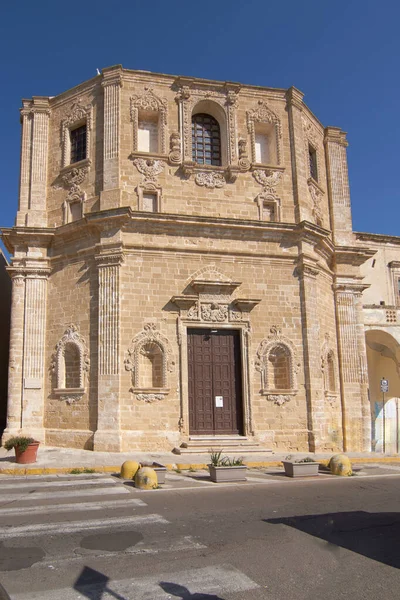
(185, 272)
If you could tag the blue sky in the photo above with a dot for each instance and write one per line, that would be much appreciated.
(343, 54)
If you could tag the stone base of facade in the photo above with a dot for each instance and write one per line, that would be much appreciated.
(107, 441)
(70, 438)
(38, 434)
(153, 441)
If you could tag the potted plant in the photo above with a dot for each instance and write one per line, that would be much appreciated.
(223, 468)
(303, 467)
(25, 449)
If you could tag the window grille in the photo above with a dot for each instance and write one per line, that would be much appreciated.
(313, 162)
(206, 140)
(78, 144)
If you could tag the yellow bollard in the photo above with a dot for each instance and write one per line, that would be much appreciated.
(146, 479)
(129, 469)
(340, 465)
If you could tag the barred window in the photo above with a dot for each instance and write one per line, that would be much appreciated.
(78, 144)
(312, 153)
(206, 140)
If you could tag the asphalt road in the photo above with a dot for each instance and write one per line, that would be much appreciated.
(96, 538)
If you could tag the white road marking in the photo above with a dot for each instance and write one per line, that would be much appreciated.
(73, 506)
(63, 527)
(218, 580)
(50, 495)
(56, 484)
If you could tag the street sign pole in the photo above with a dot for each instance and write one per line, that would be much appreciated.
(384, 389)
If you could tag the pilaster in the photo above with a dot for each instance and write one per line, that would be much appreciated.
(353, 367)
(27, 347)
(108, 436)
(303, 208)
(25, 173)
(36, 214)
(14, 403)
(112, 83)
(308, 273)
(338, 185)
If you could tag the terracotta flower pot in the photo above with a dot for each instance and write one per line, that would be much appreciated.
(28, 456)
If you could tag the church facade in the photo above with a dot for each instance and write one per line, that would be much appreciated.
(185, 271)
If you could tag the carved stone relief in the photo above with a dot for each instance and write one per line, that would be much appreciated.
(244, 162)
(316, 194)
(175, 154)
(210, 179)
(149, 168)
(149, 398)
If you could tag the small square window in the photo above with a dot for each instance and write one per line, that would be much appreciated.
(78, 143)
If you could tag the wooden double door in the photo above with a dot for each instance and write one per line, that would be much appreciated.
(215, 382)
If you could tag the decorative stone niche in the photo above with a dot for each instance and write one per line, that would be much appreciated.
(277, 362)
(329, 369)
(70, 365)
(149, 123)
(149, 359)
(265, 132)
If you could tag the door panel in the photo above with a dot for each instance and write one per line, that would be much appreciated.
(214, 370)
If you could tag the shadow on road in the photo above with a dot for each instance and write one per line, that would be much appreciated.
(374, 535)
(180, 591)
(93, 585)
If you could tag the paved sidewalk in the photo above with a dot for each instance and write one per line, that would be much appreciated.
(62, 460)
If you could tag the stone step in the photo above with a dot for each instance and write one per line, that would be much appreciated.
(228, 444)
(226, 450)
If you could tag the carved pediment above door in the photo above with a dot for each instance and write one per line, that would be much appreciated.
(213, 302)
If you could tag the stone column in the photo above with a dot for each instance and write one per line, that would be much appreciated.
(32, 420)
(36, 215)
(111, 195)
(338, 185)
(353, 369)
(303, 207)
(108, 434)
(14, 403)
(313, 375)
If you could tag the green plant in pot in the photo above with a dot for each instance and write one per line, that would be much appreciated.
(302, 467)
(25, 448)
(222, 468)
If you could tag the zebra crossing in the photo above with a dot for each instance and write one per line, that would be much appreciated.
(98, 519)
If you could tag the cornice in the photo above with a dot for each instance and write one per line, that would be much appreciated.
(15, 236)
(352, 255)
(335, 135)
(377, 237)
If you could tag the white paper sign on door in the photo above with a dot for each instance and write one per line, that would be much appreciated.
(219, 401)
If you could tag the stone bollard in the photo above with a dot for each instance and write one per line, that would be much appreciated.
(129, 469)
(146, 479)
(340, 465)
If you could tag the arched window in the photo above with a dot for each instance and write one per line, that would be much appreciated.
(279, 371)
(206, 140)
